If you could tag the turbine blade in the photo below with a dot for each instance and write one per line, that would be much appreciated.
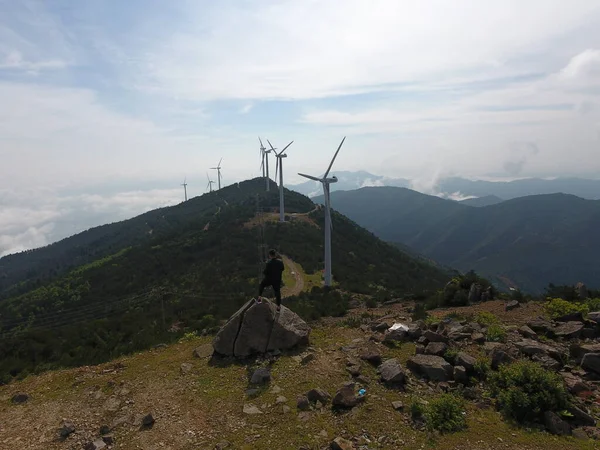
(272, 148)
(285, 148)
(277, 168)
(334, 156)
(261, 144)
(310, 177)
(219, 165)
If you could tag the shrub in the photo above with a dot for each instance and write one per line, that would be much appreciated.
(482, 367)
(352, 322)
(593, 304)
(525, 390)
(451, 355)
(557, 307)
(445, 414)
(432, 320)
(485, 319)
(495, 333)
(371, 302)
(417, 408)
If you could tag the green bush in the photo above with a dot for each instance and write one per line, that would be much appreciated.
(525, 390)
(495, 333)
(593, 304)
(417, 408)
(451, 355)
(557, 307)
(482, 367)
(485, 319)
(371, 302)
(446, 414)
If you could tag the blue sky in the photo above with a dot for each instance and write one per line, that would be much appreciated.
(107, 92)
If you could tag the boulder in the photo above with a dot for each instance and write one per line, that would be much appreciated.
(19, 398)
(258, 327)
(432, 336)
(460, 375)
(546, 362)
(527, 332)
(397, 335)
(514, 304)
(432, 367)
(541, 326)
(346, 396)
(414, 331)
(339, 443)
(581, 417)
(419, 349)
(591, 362)
(66, 429)
(148, 420)
(98, 444)
(572, 317)
(574, 384)
(595, 316)
(530, 347)
(436, 348)
(261, 376)
(569, 330)
(371, 356)
(467, 361)
(391, 372)
(478, 337)
(302, 403)
(577, 351)
(398, 405)
(204, 351)
(318, 395)
(380, 326)
(555, 425)
(499, 357)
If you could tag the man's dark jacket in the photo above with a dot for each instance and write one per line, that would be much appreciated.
(273, 271)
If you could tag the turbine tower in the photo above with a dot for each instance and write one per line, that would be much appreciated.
(185, 188)
(279, 167)
(326, 182)
(218, 169)
(210, 183)
(265, 163)
(262, 156)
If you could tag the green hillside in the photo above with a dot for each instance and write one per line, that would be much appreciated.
(527, 242)
(199, 266)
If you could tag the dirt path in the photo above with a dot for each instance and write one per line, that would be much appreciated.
(298, 276)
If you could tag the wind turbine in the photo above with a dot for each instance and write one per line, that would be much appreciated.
(218, 169)
(326, 182)
(210, 183)
(262, 156)
(279, 167)
(185, 188)
(265, 163)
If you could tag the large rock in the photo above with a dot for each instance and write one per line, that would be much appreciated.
(514, 304)
(432, 336)
(530, 348)
(339, 443)
(541, 326)
(574, 384)
(527, 332)
(391, 372)
(460, 375)
(467, 361)
(258, 327)
(318, 395)
(581, 417)
(569, 330)
(432, 367)
(595, 316)
(346, 396)
(555, 425)
(577, 351)
(261, 376)
(436, 348)
(591, 362)
(499, 357)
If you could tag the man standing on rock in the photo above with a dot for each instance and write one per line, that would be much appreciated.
(273, 271)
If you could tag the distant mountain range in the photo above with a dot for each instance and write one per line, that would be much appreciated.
(525, 242)
(461, 187)
(482, 201)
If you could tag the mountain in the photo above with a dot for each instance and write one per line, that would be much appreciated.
(584, 188)
(125, 286)
(526, 242)
(482, 201)
(348, 181)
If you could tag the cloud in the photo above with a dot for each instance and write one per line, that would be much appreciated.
(246, 108)
(521, 152)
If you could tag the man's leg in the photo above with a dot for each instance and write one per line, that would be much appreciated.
(261, 288)
(277, 289)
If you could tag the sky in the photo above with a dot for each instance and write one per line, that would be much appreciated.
(106, 106)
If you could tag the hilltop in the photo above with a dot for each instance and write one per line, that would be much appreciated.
(198, 402)
(525, 242)
(129, 285)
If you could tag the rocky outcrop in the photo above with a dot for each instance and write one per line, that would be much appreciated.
(591, 362)
(258, 328)
(431, 367)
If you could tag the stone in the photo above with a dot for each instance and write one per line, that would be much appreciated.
(204, 351)
(339, 443)
(222, 445)
(578, 351)
(579, 433)
(398, 405)
(185, 368)
(345, 397)
(530, 347)
(546, 362)
(251, 410)
(527, 332)
(261, 376)
(112, 404)
(302, 403)
(436, 348)
(574, 384)
(66, 429)
(380, 326)
(581, 417)
(371, 356)
(460, 375)
(98, 444)
(108, 439)
(397, 335)
(466, 360)
(432, 336)
(489, 347)
(318, 395)
(414, 331)
(595, 316)
(591, 362)
(541, 326)
(514, 304)
(104, 429)
(148, 420)
(569, 330)
(353, 370)
(258, 328)
(391, 372)
(280, 400)
(478, 337)
(572, 317)
(432, 367)
(499, 357)
(555, 425)
(419, 349)
(19, 398)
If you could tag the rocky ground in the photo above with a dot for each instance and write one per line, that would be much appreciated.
(352, 388)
